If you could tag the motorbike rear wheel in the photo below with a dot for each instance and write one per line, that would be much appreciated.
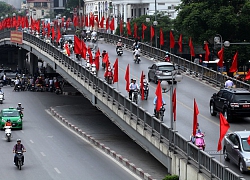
(19, 164)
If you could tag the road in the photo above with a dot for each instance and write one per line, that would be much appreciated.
(53, 152)
(187, 90)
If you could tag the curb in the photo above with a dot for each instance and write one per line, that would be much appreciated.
(107, 150)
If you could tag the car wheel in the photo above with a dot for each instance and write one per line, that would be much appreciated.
(149, 78)
(226, 158)
(241, 166)
(212, 111)
(225, 113)
(155, 80)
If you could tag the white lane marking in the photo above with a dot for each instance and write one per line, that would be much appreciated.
(31, 141)
(57, 170)
(98, 149)
(42, 153)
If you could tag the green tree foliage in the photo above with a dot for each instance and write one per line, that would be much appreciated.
(6, 9)
(164, 22)
(202, 20)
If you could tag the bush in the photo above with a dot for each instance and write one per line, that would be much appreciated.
(171, 177)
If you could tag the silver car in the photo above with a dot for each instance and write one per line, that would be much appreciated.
(162, 71)
(237, 150)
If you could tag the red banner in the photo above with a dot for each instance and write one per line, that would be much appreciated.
(16, 37)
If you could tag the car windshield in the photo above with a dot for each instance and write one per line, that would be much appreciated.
(245, 145)
(10, 113)
(242, 97)
(166, 68)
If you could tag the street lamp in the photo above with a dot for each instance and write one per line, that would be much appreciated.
(155, 23)
(218, 40)
(176, 76)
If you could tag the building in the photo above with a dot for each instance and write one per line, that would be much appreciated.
(37, 9)
(58, 6)
(129, 9)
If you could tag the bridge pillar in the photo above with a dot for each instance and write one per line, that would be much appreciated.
(33, 64)
(20, 59)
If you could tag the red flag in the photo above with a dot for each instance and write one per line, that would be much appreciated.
(107, 23)
(115, 71)
(121, 27)
(91, 20)
(142, 86)
(97, 21)
(221, 57)
(75, 21)
(90, 56)
(191, 47)
(52, 33)
(195, 117)
(224, 126)
(77, 45)
(87, 21)
(106, 70)
(234, 66)
(102, 22)
(105, 58)
(48, 29)
(172, 41)
(248, 140)
(144, 27)
(97, 60)
(207, 52)
(180, 43)
(128, 28)
(127, 78)
(152, 32)
(58, 35)
(84, 50)
(66, 46)
(112, 24)
(248, 75)
(174, 103)
(161, 38)
(158, 94)
(135, 30)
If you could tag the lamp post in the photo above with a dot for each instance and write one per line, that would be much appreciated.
(218, 40)
(155, 24)
(176, 76)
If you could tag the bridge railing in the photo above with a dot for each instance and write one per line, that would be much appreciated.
(200, 159)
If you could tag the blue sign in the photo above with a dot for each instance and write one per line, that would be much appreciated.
(224, 69)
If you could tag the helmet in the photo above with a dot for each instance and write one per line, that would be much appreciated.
(104, 51)
(8, 120)
(134, 79)
(199, 131)
(18, 140)
(119, 40)
(19, 103)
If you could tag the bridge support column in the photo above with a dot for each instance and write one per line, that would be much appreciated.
(33, 64)
(94, 99)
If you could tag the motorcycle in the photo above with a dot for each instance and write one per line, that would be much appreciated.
(119, 51)
(200, 141)
(146, 90)
(135, 96)
(19, 159)
(109, 77)
(160, 114)
(58, 91)
(1, 98)
(94, 39)
(93, 69)
(8, 133)
(17, 87)
(32, 87)
(137, 58)
(51, 89)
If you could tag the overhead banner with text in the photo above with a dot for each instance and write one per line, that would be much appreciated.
(16, 37)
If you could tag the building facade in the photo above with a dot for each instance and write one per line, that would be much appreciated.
(37, 9)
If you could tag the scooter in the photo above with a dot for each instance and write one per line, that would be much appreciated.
(19, 159)
(109, 77)
(58, 90)
(119, 51)
(8, 133)
(160, 114)
(146, 90)
(137, 58)
(135, 96)
(1, 98)
(200, 141)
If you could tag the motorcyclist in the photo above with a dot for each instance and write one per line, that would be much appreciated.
(136, 44)
(132, 88)
(20, 109)
(1, 92)
(17, 82)
(229, 83)
(145, 81)
(155, 101)
(18, 147)
(8, 123)
(118, 44)
(104, 52)
(198, 130)
(136, 52)
(199, 140)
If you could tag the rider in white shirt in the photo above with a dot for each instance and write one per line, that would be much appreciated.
(133, 87)
(136, 52)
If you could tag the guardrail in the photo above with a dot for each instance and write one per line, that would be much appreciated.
(200, 159)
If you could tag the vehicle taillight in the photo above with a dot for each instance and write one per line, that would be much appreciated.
(234, 105)
(158, 72)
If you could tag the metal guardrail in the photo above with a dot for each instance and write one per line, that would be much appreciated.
(204, 162)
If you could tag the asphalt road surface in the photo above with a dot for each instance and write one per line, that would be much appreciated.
(54, 152)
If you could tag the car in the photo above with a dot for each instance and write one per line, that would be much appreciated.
(231, 102)
(162, 71)
(14, 116)
(237, 150)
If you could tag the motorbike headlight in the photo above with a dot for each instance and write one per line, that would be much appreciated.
(247, 159)
(19, 120)
(163, 109)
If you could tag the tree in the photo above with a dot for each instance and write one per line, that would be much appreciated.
(6, 9)
(202, 20)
